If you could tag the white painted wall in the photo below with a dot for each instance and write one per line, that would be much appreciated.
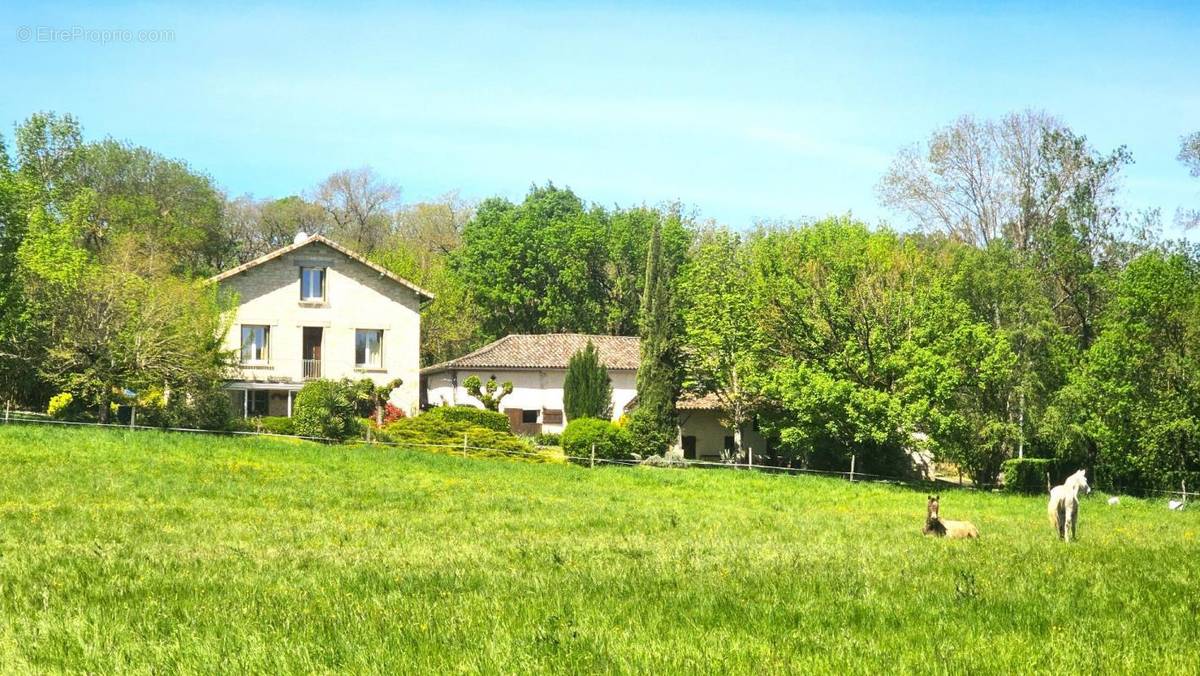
(532, 389)
(710, 435)
(357, 297)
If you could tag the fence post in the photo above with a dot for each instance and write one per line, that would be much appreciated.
(464, 444)
(852, 458)
(7, 408)
(593, 463)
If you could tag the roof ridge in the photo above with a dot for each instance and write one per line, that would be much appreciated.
(322, 239)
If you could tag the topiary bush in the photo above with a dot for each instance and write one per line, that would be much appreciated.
(326, 409)
(1026, 475)
(611, 442)
(479, 417)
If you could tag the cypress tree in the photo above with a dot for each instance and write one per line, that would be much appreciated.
(587, 392)
(655, 423)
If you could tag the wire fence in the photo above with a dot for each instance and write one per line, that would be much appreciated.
(542, 452)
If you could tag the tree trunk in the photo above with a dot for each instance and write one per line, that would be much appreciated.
(102, 414)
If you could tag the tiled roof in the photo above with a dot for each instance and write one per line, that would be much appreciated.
(698, 402)
(686, 402)
(549, 351)
(383, 272)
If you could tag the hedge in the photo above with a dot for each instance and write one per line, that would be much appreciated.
(275, 425)
(611, 442)
(434, 433)
(1026, 475)
(479, 417)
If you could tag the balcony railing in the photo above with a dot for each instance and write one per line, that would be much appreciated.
(312, 368)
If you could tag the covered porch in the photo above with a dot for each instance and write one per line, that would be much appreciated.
(259, 400)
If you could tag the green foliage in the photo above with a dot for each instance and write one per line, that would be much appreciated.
(587, 391)
(60, 405)
(610, 441)
(553, 263)
(659, 378)
(490, 393)
(1130, 410)
(274, 425)
(327, 409)
(442, 434)
(719, 333)
(477, 417)
(1027, 475)
(547, 439)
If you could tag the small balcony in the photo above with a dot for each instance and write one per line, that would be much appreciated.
(312, 369)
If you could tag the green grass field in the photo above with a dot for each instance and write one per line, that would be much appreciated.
(147, 551)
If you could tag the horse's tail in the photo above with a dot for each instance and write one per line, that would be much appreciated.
(1054, 510)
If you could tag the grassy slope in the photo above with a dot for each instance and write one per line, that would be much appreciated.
(128, 550)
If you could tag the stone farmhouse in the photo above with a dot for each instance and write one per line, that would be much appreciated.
(315, 309)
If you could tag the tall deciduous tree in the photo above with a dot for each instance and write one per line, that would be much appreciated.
(1131, 409)
(975, 179)
(553, 263)
(719, 329)
(1189, 155)
(361, 204)
(587, 390)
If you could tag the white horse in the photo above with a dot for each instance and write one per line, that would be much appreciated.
(1064, 504)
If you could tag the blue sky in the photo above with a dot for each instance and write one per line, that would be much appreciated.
(780, 110)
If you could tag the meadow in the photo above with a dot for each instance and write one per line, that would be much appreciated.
(139, 551)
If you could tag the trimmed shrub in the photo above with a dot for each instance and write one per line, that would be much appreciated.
(547, 439)
(479, 417)
(1026, 475)
(647, 434)
(611, 442)
(275, 425)
(327, 409)
(437, 434)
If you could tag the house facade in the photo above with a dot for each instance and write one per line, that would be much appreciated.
(315, 309)
(536, 365)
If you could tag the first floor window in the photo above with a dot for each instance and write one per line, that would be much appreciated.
(368, 348)
(254, 344)
(312, 284)
(260, 402)
(528, 416)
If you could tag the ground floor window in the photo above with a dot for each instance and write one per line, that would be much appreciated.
(528, 416)
(259, 403)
